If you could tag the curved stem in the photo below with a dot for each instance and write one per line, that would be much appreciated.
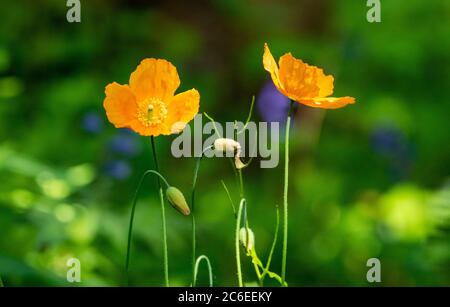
(241, 184)
(163, 217)
(229, 198)
(238, 254)
(194, 185)
(133, 209)
(272, 249)
(208, 263)
(249, 116)
(285, 194)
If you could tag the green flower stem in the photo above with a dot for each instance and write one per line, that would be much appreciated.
(1, 282)
(285, 194)
(241, 184)
(272, 249)
(208, 263)
(133, 209)
(238, 254)
(194, 185)
(163, 217)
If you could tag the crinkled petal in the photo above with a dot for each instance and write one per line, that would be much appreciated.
(271, 66)
(298, 78)
(327, 102)
(182, 109)
(120, 105)
(154, 78)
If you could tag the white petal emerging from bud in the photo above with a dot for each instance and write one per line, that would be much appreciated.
(224, 145)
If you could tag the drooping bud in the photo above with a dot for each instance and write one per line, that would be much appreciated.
(224, 145)
(177, 200)
(247, 239)
(238, 163)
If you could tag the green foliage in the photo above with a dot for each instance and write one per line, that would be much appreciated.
(370, 180)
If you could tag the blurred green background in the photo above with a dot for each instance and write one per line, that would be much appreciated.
(369, 180)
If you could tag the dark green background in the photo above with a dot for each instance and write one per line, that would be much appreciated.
(374, 184)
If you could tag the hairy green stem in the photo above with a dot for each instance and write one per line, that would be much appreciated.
(272, 249)
(208, 263)
(285, 194)
(241, 184)
(194, 185)
(238, 251)
(163, 217)
(133, 210)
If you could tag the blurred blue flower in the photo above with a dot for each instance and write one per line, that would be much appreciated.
(388, 141)
(125, 142)
(118, 169)
(272, 105)
(92, 123)
(391, 143)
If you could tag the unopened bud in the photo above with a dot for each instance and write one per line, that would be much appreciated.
(177, 200)
(247, 238)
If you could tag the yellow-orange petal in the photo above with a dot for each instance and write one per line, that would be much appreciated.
(154, 78)
(327, 102)
(120, 105)
(182, 109)
(325, 83)
(143, 130)
(300, 79)
(271, 66)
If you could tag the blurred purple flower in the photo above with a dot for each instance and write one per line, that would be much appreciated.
(125, 142)
(272, 105)
(92, 123)
(118, 169)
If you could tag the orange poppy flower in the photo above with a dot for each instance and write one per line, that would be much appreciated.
(148, 105)
(302, 82)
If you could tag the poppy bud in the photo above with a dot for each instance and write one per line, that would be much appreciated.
(245, 234)
(226, 145)
(177, 200)
(238, 163)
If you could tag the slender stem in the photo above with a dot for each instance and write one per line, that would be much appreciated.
(194, 185)
(1, 282)
(238, 254)
(194, 243)
(133, 209)
(258, 273)
(272, 249)
(208, 263)
(163, 217)
(241, 184)
(285, 194)
(229, 198)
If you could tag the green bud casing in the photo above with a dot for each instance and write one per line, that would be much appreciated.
(177, 200)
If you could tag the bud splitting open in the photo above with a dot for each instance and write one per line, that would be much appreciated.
(224, 145)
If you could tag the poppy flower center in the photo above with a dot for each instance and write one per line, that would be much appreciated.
(152, 111)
